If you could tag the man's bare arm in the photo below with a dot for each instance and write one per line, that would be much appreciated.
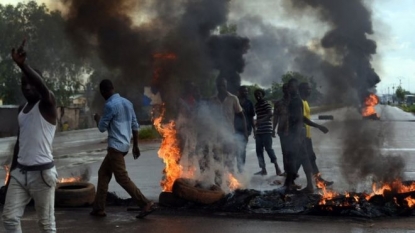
(19, 57)
(315, 125)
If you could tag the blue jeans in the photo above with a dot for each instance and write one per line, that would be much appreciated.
(23, 186)
(264, 141)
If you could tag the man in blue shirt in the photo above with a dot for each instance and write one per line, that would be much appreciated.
(120, 121)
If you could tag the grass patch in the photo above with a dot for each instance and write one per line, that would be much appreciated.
(148, 133)
(410, 108)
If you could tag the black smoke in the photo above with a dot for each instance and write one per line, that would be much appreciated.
(106, 28)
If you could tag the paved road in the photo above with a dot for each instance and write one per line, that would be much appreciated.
(395, 133)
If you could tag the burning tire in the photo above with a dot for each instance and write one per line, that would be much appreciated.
(74, 194)
(171, 200)
(190, 190)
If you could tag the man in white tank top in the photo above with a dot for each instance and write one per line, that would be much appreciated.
(33, 173)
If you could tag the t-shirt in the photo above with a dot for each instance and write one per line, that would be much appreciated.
(227, 110)
(262, 109)
(249, 113)
(281, 110)
(307, 113)
(295, 110)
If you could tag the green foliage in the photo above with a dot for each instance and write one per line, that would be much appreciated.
(400, 93)
(48, 50)
(228, 29)
(148, 133)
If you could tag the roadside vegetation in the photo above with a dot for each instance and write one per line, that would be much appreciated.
(148, 133)
(406, 108)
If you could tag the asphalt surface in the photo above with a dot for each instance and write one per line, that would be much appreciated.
(395, 131)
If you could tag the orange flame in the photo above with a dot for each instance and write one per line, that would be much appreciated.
(170, 153)
(369, 106)
(69, 179)
(410, 201)
(6, 168)
(233, 182)
(396, 186)
(326, 194)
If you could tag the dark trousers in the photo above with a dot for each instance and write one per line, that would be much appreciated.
(297, 156)
(241, 143)
(264, 141)
(312, 156)
(284, 146)
(114, 163)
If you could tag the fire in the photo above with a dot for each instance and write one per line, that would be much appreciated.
(166, 56)
(69, 179)
(393, 187)
(369, 105)
(327, 194)
(170, 153)
(233, 182)
(6, 168)
(410, 201)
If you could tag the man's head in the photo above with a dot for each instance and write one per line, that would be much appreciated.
(292, 86)
(285, 89)
(259, 94)
(29, 91)
(243, 92)
(305, 90)
(221, 85)
(106, 88)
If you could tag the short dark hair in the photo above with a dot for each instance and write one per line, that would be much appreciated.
(292, 81)
(303, 86)
(220, 79)
(242, 87)
(260, 90)
(106, 85)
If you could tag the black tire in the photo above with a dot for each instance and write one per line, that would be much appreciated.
(171, 200)
(76, 194)
(188, 190)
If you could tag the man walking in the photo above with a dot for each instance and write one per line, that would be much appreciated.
(120, 121)
(305, 92)
(35, 176)
(263, 136)
(241, 140)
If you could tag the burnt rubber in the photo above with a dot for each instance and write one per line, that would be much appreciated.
(189, 190)
(76, 194)
(171, 200)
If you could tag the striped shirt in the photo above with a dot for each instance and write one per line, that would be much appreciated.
(263, 109)
(120, 120)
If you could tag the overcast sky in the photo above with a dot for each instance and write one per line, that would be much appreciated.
(394, 33)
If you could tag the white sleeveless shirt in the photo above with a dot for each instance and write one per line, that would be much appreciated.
(36, 137)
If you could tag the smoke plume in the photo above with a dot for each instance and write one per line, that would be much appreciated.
(109, 29)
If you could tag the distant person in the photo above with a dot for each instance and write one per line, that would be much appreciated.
(305, 92)
(241, 140)
(263, 135)
(227, 107)
(120, 121)
(33, 172)
(297, 153)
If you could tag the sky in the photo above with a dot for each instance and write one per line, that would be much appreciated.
(394, 34)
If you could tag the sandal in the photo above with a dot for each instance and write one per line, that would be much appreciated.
(147, 210)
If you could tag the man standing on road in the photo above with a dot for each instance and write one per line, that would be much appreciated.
(226, 107)
(241, 140)
(120, 121)
(35, 176)
(263, 136)
(297, 153)
(305, 92)
(281, 119)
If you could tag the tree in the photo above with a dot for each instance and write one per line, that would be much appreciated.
(48, 50)
(400, 93)
(228, 29)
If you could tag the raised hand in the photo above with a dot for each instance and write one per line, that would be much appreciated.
(19, 55)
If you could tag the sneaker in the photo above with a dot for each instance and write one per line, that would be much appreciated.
(98, 213)
(261, 173)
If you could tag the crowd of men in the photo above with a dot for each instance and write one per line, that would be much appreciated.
(33, 173)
